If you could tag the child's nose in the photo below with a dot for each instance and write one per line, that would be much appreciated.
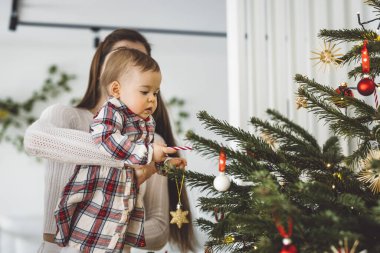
(151, 98)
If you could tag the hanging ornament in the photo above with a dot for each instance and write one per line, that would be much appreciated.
(366, 86)
(365, 58)
(328, 55)
(344, 248)
(179, 216)
(229, 239)
(287, 247)
(209, 249)
(222, 182)
(301, 102)
(370, 173)
(344, 91)
(216, 214)
(268, 139)
(338, 175)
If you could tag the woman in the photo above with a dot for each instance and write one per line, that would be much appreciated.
(61, 135)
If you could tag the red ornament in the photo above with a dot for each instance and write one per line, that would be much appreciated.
(287, 247)
(222, 161)
(366, 86)
(222, 182)
(344, 91)
(216, 214)
(365, 58)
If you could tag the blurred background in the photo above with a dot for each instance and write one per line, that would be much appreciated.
(232, 58)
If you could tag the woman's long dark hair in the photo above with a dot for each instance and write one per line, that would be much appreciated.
(183, 238)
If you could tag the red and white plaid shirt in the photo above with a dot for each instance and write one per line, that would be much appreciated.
(97, 211)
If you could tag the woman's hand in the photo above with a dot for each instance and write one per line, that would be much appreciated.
(143, 172)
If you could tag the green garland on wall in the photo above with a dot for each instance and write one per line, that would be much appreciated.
(15, 117)
(180, 115)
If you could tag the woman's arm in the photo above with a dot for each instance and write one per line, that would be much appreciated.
(55, 136)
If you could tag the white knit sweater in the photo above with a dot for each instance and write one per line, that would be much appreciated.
(61, 135)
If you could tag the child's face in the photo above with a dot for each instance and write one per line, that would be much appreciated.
(139, 91)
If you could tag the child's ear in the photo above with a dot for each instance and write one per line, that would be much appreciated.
(115, 89)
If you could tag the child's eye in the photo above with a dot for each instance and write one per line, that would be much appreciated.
(144, 92)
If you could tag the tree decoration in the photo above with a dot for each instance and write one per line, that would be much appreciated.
(222, 182)
(308, 165)
(328, 55)
(365, 58)
(338, 175)
(344, 248)
(370, 173)
(229, 239)
(216, 214)
(268, 139)
(208, 249)
(301, 102)
(366, 86)
(19, 115)
(179, 216)
(287, 247)
(344, 91)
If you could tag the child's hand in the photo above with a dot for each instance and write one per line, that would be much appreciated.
(177, 162)
(144, 172)
(160, 152)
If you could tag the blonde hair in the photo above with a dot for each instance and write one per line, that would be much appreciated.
(120, 60)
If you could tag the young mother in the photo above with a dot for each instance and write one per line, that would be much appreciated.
(61, 135)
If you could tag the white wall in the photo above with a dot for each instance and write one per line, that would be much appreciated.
(194, 68)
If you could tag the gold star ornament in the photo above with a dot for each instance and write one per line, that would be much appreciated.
(179, 217)
(343, 247)
(301, 102)
(328, 55)
(370, 171)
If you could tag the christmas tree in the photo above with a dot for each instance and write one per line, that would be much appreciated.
(300, 195)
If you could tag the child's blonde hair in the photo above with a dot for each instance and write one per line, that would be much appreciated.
(119, 61)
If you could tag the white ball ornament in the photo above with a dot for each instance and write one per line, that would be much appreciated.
(222, 182)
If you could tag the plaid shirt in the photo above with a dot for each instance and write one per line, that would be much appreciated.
(122, 134)
(98, 211)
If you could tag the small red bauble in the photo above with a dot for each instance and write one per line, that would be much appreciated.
(289, 249)
(344, 91)
(366, 86)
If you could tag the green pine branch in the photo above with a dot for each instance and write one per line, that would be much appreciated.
(375, 4)
(354, 55)
(284, 137)
(231, 133)
(347, 35)
(374, 71)
(211, 149)
(320, 102)
(291, 126)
